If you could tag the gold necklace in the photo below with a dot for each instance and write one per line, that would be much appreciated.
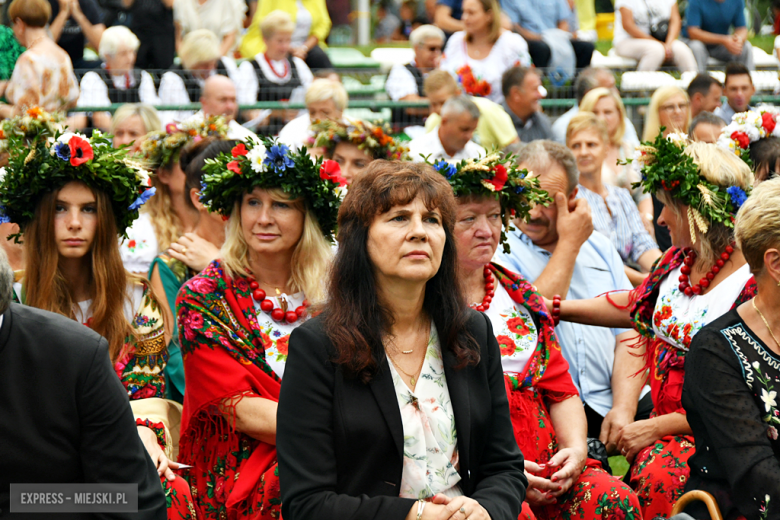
(765, 323)
(412, 378)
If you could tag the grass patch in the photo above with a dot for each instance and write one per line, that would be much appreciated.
(619, 465)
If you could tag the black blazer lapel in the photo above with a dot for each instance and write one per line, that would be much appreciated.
(384, 393)
(458, 385)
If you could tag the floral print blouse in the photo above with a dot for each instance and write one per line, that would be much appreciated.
(430, 438)
(677, 318)
(276, 334)
(515, 331)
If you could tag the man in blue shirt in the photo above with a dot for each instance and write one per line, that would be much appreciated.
(558, 251)
(708, 24)
(532, 18)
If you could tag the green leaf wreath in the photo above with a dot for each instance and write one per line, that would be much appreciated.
(665, 166)
(47, 164)
(496, 176)
(268, 164)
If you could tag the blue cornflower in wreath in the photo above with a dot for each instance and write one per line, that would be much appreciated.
(39, 164)
(267, 164)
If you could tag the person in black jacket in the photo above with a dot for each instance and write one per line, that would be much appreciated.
(64, 415)
(393, 403)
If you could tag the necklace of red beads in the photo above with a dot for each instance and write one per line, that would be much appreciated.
(277, 314)
(490, 290)
(285, 70)
(690, 259)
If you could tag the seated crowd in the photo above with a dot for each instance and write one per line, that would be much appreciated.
(479, 313)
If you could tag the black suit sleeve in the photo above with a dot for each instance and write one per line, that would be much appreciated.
(111, 451)
(305, 442)
(501, 481)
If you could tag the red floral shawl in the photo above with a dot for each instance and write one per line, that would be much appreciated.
(546, 374)
(665, 362)
(224, 357)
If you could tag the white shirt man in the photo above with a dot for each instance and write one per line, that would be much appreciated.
(451, 140)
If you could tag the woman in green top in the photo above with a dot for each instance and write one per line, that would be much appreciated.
(190, 254)
(10, 50)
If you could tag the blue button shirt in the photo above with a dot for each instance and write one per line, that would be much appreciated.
(536, 15)
(589, 350)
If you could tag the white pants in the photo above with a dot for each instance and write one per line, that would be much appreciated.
(651, 54)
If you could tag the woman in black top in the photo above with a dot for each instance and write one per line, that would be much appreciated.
(732, 381)
(393, 403)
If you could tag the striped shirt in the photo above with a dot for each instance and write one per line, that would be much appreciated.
(624, 226)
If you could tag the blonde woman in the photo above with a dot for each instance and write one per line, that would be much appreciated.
(131, 122)
(325, 100)
(201, 58)
(235, 319)
(608, 107)
(168, 215)
(699, 279)
(669, 108)
(479, 55)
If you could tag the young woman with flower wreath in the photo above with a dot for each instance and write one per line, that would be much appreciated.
(235, 319)
(755, 137)
(72, 200)
(696, 281)
(355, 145)
(168, 215)
(547, 418)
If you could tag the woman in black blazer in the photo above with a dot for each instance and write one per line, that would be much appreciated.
(378, 417)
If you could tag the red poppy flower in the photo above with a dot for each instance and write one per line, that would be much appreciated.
(331, 171)
(768, 122)
(506, 345)
(239, 150)
(499, 177)
(80, 151)
(282, 345)
(741, 138)
(518, 326)
(234, 167)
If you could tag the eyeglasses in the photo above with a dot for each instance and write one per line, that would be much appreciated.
(679, 106)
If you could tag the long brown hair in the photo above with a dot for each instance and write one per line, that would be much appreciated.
(354, 319)
(46, 288)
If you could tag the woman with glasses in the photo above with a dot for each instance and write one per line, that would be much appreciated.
(670, 109)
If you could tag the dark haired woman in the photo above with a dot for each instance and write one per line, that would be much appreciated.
(393, 404)
(548, 417)
(190, 254)
(235, 319)
(71, 220)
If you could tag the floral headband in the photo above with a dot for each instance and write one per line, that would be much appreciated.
(372, 139)
(34, 122)
(45, 165)
(494, 175)
(160, 149)
(664, 166)
(747, 128)
(268, 164)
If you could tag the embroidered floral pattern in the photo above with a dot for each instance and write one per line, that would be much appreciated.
(674, 329)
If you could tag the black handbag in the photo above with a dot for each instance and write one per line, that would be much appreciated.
(658, 30)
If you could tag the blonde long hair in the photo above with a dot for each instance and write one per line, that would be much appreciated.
(311, 257)
(45, 287)
(591, 99)
(166, 223)
(653, 120)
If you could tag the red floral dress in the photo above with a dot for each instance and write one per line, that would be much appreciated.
(659, 472)
(545, 379)
(224, 348)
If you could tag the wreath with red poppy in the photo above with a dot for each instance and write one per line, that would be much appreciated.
(496, 175)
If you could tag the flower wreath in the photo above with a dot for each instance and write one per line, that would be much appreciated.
(748, 127)
(34, 122)
(664, 166)
(160, 149)
(268, 164)
(373, 139)
(517, 190)
(45, 165)
(471, 85)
